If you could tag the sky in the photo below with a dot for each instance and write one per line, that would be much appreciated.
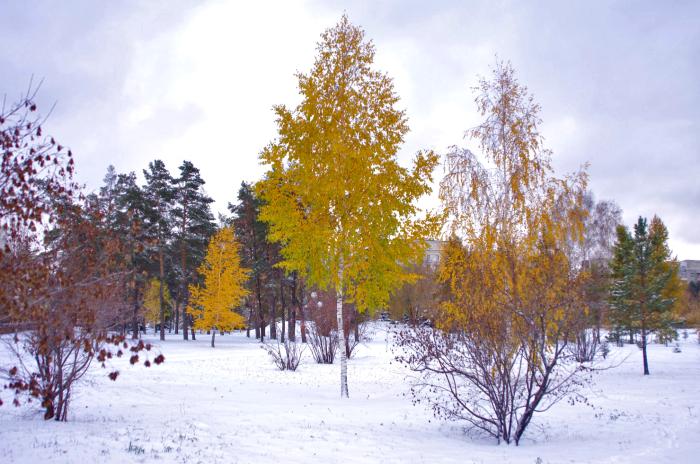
(133, 81)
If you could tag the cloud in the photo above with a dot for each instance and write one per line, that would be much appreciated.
(197, 80)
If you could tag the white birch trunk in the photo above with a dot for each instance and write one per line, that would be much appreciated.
(341, 335)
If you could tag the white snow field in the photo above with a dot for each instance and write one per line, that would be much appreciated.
(230, 404)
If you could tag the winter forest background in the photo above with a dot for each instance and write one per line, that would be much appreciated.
(472, 304)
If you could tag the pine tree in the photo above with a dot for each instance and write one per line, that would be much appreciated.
(194, 226)
(335, 197)
(645, 281)
(212, 305)
(127, 217)
(257, 254)
(159, 194)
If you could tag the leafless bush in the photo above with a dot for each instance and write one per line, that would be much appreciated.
(493, 384)
(323, 345)
(286, 356)
(586, 345)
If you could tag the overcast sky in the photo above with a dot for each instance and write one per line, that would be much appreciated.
(618, 82)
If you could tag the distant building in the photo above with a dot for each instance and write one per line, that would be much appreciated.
(432, 254)
(689, 270)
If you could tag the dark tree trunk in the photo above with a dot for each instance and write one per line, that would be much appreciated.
(185, 320)
(302, 312)
(273, 318)
(135, 313)
(261, 323)
(284, 329)
(293, 310)
(260, 328)
(177, 317)
(644, 351)
(213, 334)
(357, 325)
(282, 305)
(160, 293)
(192, 332)
(250, 318)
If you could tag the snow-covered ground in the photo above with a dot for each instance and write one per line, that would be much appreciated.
(230, 404)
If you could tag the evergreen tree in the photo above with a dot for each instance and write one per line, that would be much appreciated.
(108, 195)
(251, 233)
(335, 196)
(132, 223)
(194, 226)
(159, 196)
(645, 281)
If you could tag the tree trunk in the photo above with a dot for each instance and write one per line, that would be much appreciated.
(192, 332)
(250, 318)
(213, 334)
(273, 319)
(357, 325)
(160, 293)
(260, 328)
(341, 333)
(644, 351)
(177, 316)
(282, 306)
(185, 320)
(302, 313)
(261, 323)
(293, 311)
(135, 314)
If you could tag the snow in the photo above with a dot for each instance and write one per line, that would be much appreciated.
(230, 404)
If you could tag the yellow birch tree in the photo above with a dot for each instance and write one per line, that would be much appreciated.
(213, 304)
(335, 196)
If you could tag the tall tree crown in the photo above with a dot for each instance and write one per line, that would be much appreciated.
(335, 195)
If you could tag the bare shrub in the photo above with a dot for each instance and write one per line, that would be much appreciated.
(286, 356)
(323, 345)
(359, 332)
(586, 345)
(324, 326)
(495, 385)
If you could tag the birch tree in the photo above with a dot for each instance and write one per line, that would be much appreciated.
(336, 198)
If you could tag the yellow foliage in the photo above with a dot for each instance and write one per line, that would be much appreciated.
(510, 278)
(213, 305)
(335, 196)
(151, 301)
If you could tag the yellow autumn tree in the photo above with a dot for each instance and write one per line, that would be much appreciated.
(514, 293)
(336, 198)
(213, 304)
(151, 302)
